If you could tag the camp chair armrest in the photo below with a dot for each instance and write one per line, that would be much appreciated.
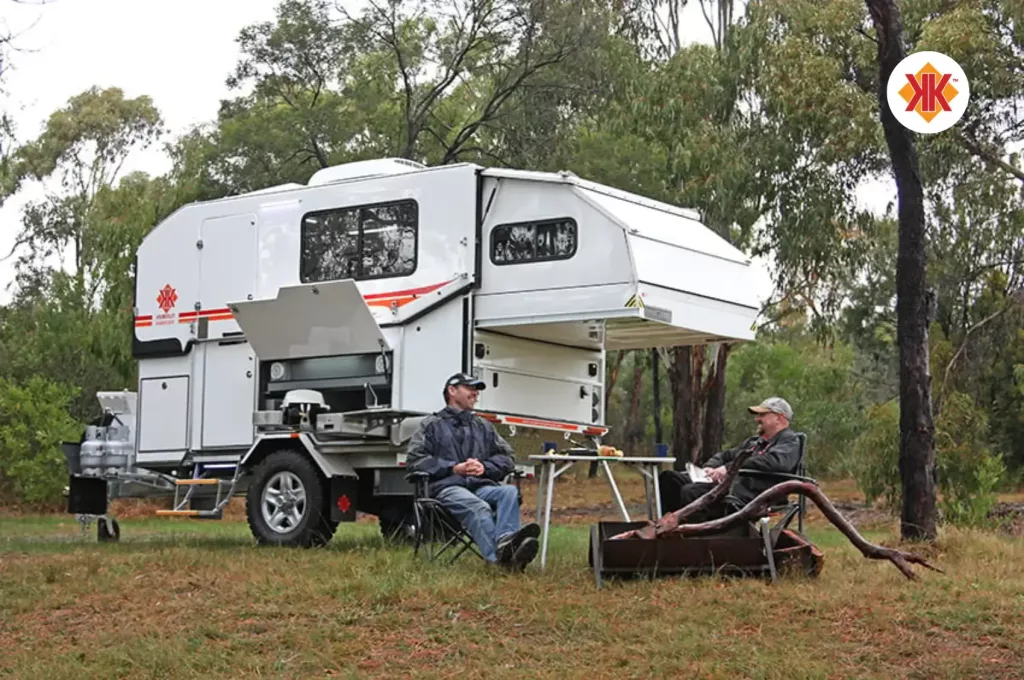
(516, 476)
(420, 481)
(777, 476)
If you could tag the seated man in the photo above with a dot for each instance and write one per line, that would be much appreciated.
(776, 449)
(467, 461)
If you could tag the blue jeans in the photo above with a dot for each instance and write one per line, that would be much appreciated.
(476, 512)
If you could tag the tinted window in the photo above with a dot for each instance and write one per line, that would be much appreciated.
(533, 241)
(361, 242)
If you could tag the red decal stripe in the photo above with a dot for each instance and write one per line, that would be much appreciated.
(398, 298)
(512, 420)
(405, 293)
(543, 423)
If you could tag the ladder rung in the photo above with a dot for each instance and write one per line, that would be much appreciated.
(178, 513)
(190, 482)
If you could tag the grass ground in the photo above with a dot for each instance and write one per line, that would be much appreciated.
(184, 599)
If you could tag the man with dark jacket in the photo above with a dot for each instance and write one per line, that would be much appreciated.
(467, 461)
(776, 449)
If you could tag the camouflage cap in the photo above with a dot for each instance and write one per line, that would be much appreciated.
(773, 405)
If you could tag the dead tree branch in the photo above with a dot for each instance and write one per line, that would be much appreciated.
(989, 157)
(670, 521)
(668, 526)
(759, 508)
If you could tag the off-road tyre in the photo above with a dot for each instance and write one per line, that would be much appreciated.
(105, 535)
(289, 470)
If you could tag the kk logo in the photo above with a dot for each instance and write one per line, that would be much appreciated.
(166, 298)
(928, 92)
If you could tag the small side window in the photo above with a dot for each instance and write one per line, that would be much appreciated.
(361, 242)
(540, 241)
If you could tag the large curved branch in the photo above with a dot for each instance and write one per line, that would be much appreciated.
(758, 508)
(671, 520)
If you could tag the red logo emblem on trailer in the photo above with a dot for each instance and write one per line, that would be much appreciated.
(166, 298)
(344, 503)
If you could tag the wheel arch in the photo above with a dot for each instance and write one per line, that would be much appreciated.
(329, 467)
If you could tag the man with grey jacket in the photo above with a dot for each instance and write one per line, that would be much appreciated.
(776, 449)
(467, 460)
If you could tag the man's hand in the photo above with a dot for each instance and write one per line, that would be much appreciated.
(469, 468)
(716, 474)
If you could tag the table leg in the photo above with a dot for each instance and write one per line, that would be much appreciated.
(615, 490)
(540, 493)
(657, 490)
(547, 514)
(648, 491)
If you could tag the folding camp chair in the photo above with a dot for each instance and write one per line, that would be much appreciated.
(437, 530)
(788, 509)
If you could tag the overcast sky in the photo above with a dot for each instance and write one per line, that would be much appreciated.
(179, 53)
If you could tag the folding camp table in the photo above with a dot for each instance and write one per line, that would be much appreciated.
(553, 465)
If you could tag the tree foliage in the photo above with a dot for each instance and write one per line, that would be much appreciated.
(769, 128)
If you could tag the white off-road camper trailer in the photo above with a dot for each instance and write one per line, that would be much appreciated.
(290, 340)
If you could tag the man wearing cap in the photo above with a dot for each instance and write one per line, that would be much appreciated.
(776, 449)
(467, 460)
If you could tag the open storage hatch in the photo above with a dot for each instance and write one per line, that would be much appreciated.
(311, 320)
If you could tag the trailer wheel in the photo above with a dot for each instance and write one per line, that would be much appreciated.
(105, 534)
(285, 502)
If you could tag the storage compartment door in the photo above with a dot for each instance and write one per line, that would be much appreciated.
(227, 272)
(538, 397)
(163, 414)
(230, 395)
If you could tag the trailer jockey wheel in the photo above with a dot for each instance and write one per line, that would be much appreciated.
(108, 534)
(285, 502)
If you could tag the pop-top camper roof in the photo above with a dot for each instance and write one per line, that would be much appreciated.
(651, 272)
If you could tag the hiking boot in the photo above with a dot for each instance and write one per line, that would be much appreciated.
(508, 545)
(525, 553)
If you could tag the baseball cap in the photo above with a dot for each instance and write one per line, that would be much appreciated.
(773, 405)
(464, 379)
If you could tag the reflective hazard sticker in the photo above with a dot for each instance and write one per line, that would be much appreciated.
(635, 302)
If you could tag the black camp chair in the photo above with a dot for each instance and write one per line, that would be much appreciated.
(436, 529)
(789, 509)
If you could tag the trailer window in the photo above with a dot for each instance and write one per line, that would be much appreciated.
(361, 242)
(533, 241)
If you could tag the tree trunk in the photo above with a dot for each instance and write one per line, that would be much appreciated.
(656, 396)
(681, 386)
(714, 415)
(633, 428)
(696, 416)
(917, 430)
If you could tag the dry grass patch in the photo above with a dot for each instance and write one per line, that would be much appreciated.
(186, 599)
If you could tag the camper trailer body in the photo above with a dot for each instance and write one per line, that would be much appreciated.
(322, 321)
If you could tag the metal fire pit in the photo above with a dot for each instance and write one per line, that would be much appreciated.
(743, 550)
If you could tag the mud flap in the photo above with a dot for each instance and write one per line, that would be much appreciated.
(344, 494)
(87, 496)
